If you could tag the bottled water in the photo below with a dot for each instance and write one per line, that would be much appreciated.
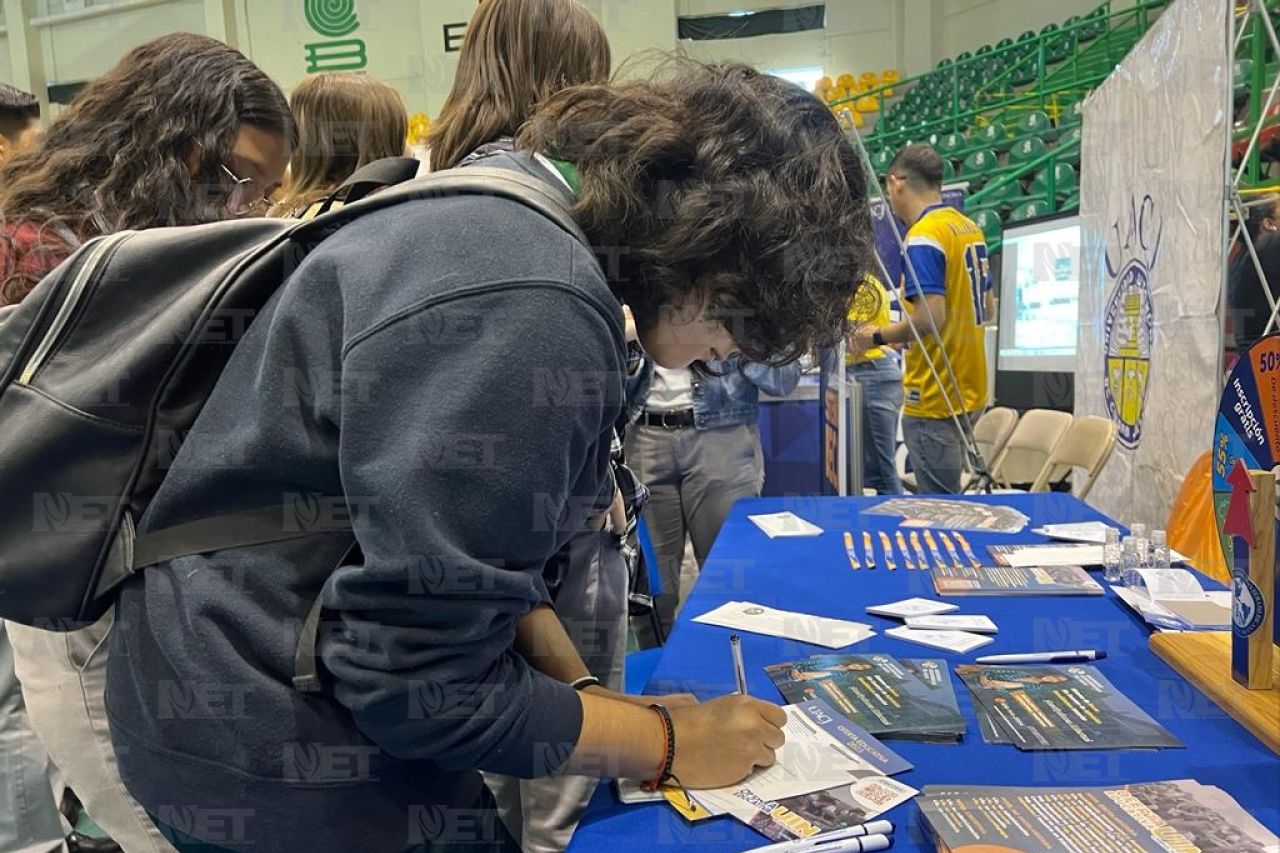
(1111, 556)
(1130, 562)
(1159, 550)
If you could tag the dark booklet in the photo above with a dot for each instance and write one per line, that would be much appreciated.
(878, 692)
(1061, 707)
(1050, 580)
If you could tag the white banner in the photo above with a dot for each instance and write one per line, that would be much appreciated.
(1153, 185)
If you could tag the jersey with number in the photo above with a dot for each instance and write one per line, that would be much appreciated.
(949, 256)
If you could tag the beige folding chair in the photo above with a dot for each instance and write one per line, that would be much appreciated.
(1033, 439)
(1088, 444)
(991, 433)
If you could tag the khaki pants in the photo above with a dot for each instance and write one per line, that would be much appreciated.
(541, 814)
(64, 682)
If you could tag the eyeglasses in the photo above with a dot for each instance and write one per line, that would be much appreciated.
(246, 197)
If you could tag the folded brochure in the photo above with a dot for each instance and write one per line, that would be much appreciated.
(1039, 707)
(880, 693)
(784, 524)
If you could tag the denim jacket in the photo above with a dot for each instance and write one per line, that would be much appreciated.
(733, 397)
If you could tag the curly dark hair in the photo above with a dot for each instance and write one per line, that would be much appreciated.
(118, 156)
(719, 183)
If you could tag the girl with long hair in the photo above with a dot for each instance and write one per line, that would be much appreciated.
(183, 130)
(345, 121)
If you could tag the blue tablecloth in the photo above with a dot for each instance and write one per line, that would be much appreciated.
(812, 575)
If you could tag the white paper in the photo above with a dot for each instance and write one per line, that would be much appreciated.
(1044, 556)
(976, 624)
(1162, 618)
(811, 760)
(1171, 585)
(758, 619)
(782, 524)
(912, 607)
(1092, 532)
(631, 792)
(951, 641)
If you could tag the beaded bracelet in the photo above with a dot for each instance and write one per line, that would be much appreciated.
(668, 749)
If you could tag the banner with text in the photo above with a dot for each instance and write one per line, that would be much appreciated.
(1153, 161)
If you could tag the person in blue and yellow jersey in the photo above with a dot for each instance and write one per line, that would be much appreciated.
(878, 372)
(948, 304)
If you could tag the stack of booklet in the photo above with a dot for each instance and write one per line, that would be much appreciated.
(903, 698)
(1042, 580)
(1044, 706)
(1150, 817)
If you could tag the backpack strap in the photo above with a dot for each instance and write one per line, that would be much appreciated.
(533, 193)
(368, 179)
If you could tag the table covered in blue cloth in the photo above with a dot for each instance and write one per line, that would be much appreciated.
(812, 575)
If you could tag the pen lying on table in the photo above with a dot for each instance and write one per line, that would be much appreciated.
(872, 835)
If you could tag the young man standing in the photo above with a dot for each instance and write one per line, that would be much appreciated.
(946, 379)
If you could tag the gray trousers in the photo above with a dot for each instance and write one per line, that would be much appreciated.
(64, 683)
(29, 818)
(936, 448)
(542, 814)
(694, 477)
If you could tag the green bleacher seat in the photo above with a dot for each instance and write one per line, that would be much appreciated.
(880, 160)
(993, 136)
(978, 166)
(1071, 202)
(1029, 210)
(948, 170)
(1004, 43)
(1096, 24)
(1004, 197)
(1071, 136)
(988, 219)
(1027, 149)
(1029, 35)
(950, 143)
(1071, 115)
(963, 57)
(984, 50)
(1034, 123)
(944, 62)
(1064, 180)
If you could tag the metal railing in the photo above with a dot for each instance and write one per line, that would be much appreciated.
(1108, 47)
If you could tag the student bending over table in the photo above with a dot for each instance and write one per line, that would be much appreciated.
(723, 193)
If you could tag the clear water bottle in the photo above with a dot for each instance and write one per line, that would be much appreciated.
(1111, 556)
(1138, 530)
(1130, 562)
(1159, 550)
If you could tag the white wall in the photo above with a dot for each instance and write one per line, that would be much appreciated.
(80, 47)
(968, 24)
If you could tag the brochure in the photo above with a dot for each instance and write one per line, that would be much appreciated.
(1049, 580)
(1151, 817)
(829, 774)
(1062, 707)
(953, 515)
(759, 619)
(877, 692)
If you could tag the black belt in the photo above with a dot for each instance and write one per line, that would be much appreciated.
(678, 419)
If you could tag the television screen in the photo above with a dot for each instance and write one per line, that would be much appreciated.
(1040, 295)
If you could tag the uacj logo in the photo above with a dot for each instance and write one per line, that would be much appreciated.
(1133, 248)
(1247, 606)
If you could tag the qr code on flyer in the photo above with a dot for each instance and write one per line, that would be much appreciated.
(880, 794)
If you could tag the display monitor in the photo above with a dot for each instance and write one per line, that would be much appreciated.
(1040, 296)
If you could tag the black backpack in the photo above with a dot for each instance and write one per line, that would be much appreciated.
(110, 359)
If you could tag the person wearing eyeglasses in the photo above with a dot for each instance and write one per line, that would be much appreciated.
(183, 130)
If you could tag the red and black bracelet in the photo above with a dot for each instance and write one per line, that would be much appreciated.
(669, 749)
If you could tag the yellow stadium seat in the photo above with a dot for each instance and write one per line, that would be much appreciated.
(888, 78)
(849, 119)
(838, 93)
(846, 81)
(869, 79)
(824, 83)
(868, 104)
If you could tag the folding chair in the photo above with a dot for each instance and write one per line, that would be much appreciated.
(1087, 444)
(991, 433)
(1029, 447)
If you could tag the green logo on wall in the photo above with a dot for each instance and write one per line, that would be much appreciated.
(332, 18)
